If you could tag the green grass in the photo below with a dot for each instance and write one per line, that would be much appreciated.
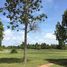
(35, 58)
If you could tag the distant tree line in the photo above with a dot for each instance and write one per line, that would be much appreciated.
(35, 46)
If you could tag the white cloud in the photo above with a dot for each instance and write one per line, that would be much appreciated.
(16, 38)
(50, 36)
(12, 37)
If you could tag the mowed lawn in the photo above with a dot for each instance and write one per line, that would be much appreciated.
(35, 58)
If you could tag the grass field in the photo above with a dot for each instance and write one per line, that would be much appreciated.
(35, 58)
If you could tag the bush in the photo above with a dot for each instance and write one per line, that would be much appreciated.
(13, 51)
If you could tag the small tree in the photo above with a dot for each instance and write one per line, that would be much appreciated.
(22, 45)
(13, 50)
(22, 11)
(43, 46)
(1, 32)
(37, 46)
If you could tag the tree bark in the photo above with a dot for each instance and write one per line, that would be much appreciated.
(25, 44)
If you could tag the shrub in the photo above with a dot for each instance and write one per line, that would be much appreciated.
(13, 51)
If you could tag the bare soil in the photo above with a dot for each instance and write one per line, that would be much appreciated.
(46, 65)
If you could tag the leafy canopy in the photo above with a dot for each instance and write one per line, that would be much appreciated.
(22, 12)
(60, 32)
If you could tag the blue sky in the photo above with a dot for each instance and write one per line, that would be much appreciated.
(54, 9)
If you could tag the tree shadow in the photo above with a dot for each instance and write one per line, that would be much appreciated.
(62, 62)
(11, 60)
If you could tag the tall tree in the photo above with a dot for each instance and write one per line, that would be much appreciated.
(64, 19)
(24, 12)
(64, 22)
(1, 32)
(60, 35)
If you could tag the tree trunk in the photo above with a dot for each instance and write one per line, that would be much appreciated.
(25, 44)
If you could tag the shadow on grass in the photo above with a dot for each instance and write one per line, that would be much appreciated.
(62, 62)
(11, 60)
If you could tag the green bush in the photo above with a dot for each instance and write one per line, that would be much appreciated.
(13, 51)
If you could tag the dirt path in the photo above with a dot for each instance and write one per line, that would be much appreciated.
(47, 65)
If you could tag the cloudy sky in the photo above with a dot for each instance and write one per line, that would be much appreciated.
(54, 9)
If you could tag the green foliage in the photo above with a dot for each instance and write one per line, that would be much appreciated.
(64, 19)
(21, 11)
(61, 47)
(40, 46)
(43, 46)
(64, 22)
(1, 32)
(22, 45)
(61, 31)
(13, 51)
(37, 46)
(60, 35)
(31, 46)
